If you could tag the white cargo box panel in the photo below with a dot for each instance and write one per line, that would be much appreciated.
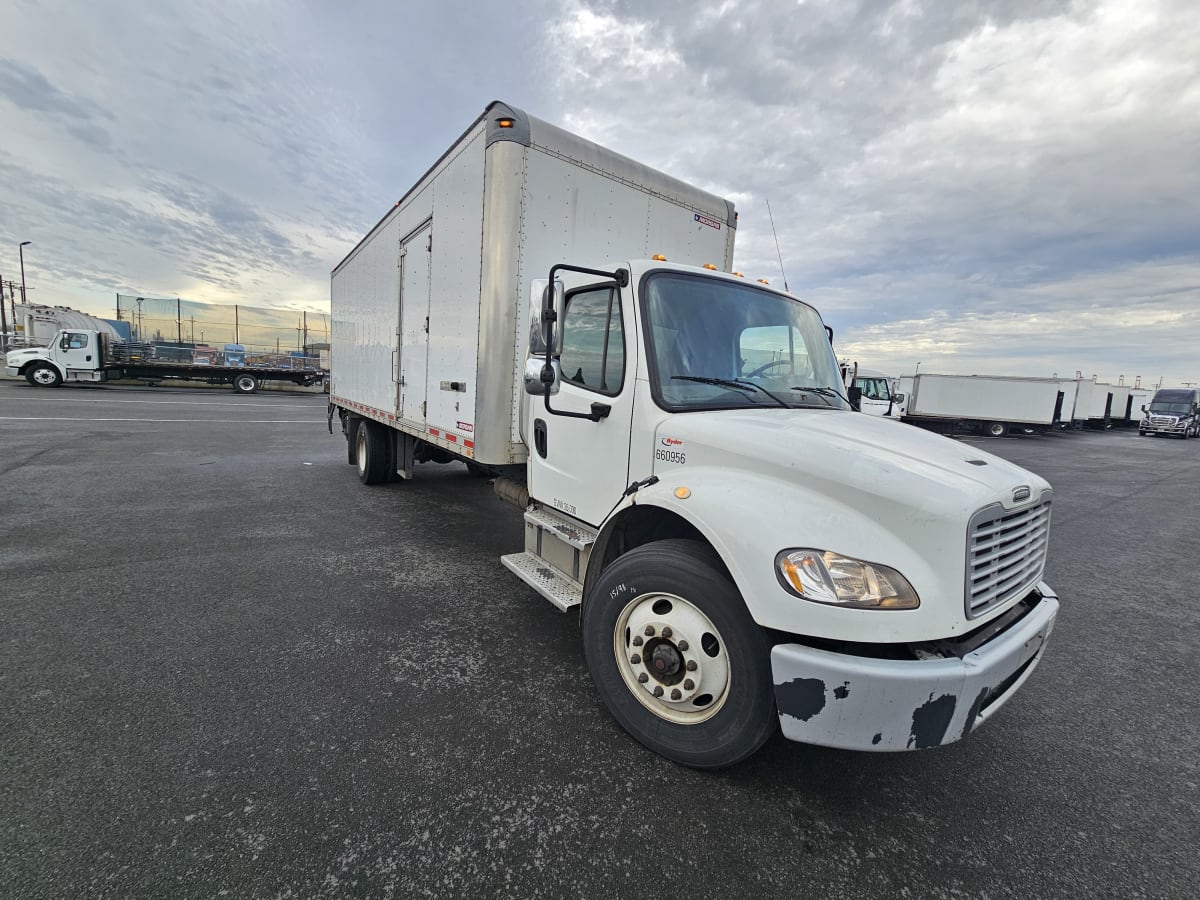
(431, 309)
(1069, 388)
(1085, 390)
(1101, 398)
(1120, 400)
(984, 398)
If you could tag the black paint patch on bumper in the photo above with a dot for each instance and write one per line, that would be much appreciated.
(801, 698)
(930, 721)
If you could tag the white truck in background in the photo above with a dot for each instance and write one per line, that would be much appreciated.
(992, 405)
(746, 552)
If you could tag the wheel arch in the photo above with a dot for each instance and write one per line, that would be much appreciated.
(637, 525)
(24, 370)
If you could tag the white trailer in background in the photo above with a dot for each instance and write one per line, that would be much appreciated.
(991, 405)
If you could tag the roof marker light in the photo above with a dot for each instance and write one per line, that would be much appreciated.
(763, 281)
(710, 267)
(739, 274)
(504, 123)
(658, 257)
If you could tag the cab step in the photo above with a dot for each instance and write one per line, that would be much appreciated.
(548, 581)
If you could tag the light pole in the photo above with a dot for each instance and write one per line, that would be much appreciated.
(918, 372)
(21, 250)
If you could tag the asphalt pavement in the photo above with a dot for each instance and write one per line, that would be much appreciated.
(229, 669)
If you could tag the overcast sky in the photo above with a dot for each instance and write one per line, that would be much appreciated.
(1008, 187)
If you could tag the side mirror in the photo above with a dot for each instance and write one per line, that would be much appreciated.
(541, 300)
(897, 398)
(533, 376)
(854, 395)
(1143, 407)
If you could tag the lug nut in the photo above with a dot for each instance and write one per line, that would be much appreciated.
(649, 631)
(658, 691)
(643, 678)
(636, 658)
(637, 640)
(688, 684)
(691, 665)
(667, 632)
(675, 695)
(683, 646)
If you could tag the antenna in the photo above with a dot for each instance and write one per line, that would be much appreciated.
(777, 253)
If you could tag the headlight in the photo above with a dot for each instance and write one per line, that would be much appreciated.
(824, 577)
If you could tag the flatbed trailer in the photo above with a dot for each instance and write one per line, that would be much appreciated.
(81, 355)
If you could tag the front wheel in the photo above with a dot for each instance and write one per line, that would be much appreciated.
(43, 376)
(996, 429)
(677, 658)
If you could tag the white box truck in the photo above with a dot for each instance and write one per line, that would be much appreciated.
(989, 404)
(746, 552)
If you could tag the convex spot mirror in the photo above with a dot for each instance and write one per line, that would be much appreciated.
(540, 298)
(533, 376)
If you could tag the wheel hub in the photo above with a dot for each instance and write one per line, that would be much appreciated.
(671, 658)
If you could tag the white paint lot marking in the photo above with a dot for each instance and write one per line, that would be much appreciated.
(156, 402)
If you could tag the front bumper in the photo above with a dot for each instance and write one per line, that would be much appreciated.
(864, 703)
(1163, 429)
(12, 371)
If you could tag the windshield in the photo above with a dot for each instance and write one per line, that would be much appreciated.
(1173, 408)
(721, 345)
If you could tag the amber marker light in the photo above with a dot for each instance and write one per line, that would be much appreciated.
(505, 123)
(739, 274)
(683, 493)
(710, 267)
(658, 257)
(763, 281)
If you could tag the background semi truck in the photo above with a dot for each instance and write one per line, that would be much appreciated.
(746, 552)
(82, 355)
(1173, 411)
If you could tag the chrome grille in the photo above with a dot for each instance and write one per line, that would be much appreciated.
(1006, 553)
(1163, 420)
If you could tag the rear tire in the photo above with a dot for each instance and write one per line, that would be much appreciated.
(711, 702)
(245, 384)
(43, 376)
(996, 429)
(371, 453)
(351, 438)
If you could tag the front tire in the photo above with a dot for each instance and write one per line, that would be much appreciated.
(677, 658)
(371, 453)
(43, 376)
(996, 429)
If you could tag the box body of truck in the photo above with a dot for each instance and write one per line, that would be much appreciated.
(437, 295)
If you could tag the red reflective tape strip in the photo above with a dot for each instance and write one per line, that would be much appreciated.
(470, 444)
(452, 438)
(434, 432)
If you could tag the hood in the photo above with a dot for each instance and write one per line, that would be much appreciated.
(24, 355)
(854, 455)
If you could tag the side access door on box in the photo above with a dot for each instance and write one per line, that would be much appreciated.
(413, 364)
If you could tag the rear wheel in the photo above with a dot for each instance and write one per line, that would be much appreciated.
(43, 376)
(245, 384)
(351, 441)
(371, 453)
(996, 429)
(677, 658)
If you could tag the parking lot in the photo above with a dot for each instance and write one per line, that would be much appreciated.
(229, 669)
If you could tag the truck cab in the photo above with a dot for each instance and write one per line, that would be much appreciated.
(1172, 411)
(71, 355)
(733, 530)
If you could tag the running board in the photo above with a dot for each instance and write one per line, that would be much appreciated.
(545, 579)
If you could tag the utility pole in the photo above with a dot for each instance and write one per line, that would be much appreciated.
(4, 320)
(21, 250)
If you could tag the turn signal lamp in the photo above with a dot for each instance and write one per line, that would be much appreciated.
(710, 267)
(504, 123)
(683, 493)
(658, 257)
(826, 577)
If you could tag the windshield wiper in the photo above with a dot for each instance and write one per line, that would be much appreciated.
(823, 392)
(735, 384)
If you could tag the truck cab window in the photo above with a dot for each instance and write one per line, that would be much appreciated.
(593, 345)
(73, 341)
